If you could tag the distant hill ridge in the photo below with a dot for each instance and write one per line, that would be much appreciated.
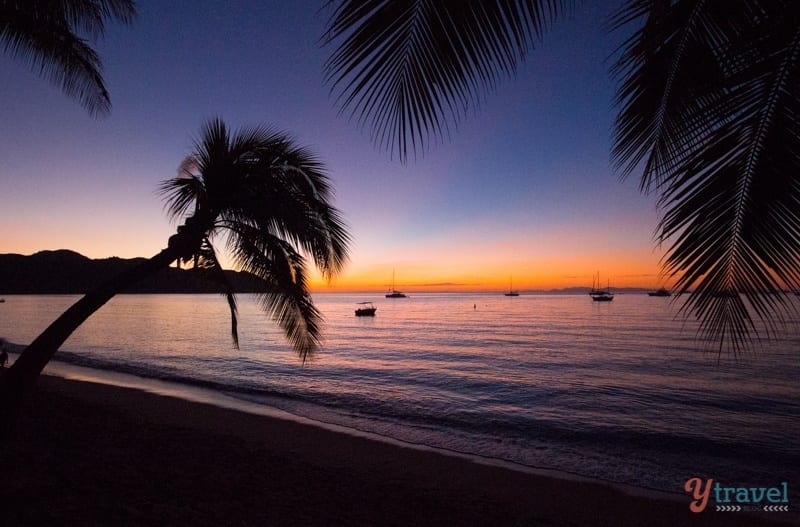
(68, 272)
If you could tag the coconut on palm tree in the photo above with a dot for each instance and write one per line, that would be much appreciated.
(269, 199)
(708, 97)
(45, 34)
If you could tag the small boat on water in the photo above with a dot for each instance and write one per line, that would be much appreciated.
(603, 296)
(660, 292)
(394, 293)
(511, 291)
(598, 294)
(365, 309)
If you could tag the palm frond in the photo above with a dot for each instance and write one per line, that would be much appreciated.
(42, 33)
(180, 194)
(286, 191)
(210, 269)
(305, 215)
(211, 148)
(90, 16)
(66, 61)
(668, 70)
(723, 148)
(285, 293)
(410, 69)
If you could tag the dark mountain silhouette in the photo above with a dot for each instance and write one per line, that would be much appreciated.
(67, 272)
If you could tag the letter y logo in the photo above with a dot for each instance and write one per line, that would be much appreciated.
(700, 494)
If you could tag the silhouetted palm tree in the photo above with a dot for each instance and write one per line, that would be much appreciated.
(709, 104)
(44, 34)
(269, 199)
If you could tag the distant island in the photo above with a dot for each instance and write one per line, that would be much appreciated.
(68, 272)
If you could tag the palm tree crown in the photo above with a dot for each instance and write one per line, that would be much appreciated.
(44, 34)
(270, 201)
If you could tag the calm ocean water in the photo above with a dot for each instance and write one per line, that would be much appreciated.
(618, 391)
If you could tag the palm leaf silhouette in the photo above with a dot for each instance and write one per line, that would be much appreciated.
(709, 113)
(44, 34)
(411, 69)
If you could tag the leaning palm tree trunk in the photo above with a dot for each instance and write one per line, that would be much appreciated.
(18, 380)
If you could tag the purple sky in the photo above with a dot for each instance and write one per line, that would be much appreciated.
(524, 186)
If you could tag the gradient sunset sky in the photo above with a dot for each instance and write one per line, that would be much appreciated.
(524, 187)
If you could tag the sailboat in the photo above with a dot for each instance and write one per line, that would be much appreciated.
(394, 293)
(598, 294)
(511, 291)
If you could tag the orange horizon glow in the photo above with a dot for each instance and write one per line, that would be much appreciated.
(486, 286)
(481, 279)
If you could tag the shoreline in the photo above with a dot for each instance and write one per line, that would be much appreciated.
(196, 394)
(212, 397)
(93, 454)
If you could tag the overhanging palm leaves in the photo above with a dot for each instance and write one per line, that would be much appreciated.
(409, 69)
(271, 200)
(709, 110)
(43, 33)
(709, 113)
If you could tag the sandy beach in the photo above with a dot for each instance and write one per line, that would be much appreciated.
(93, 454)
